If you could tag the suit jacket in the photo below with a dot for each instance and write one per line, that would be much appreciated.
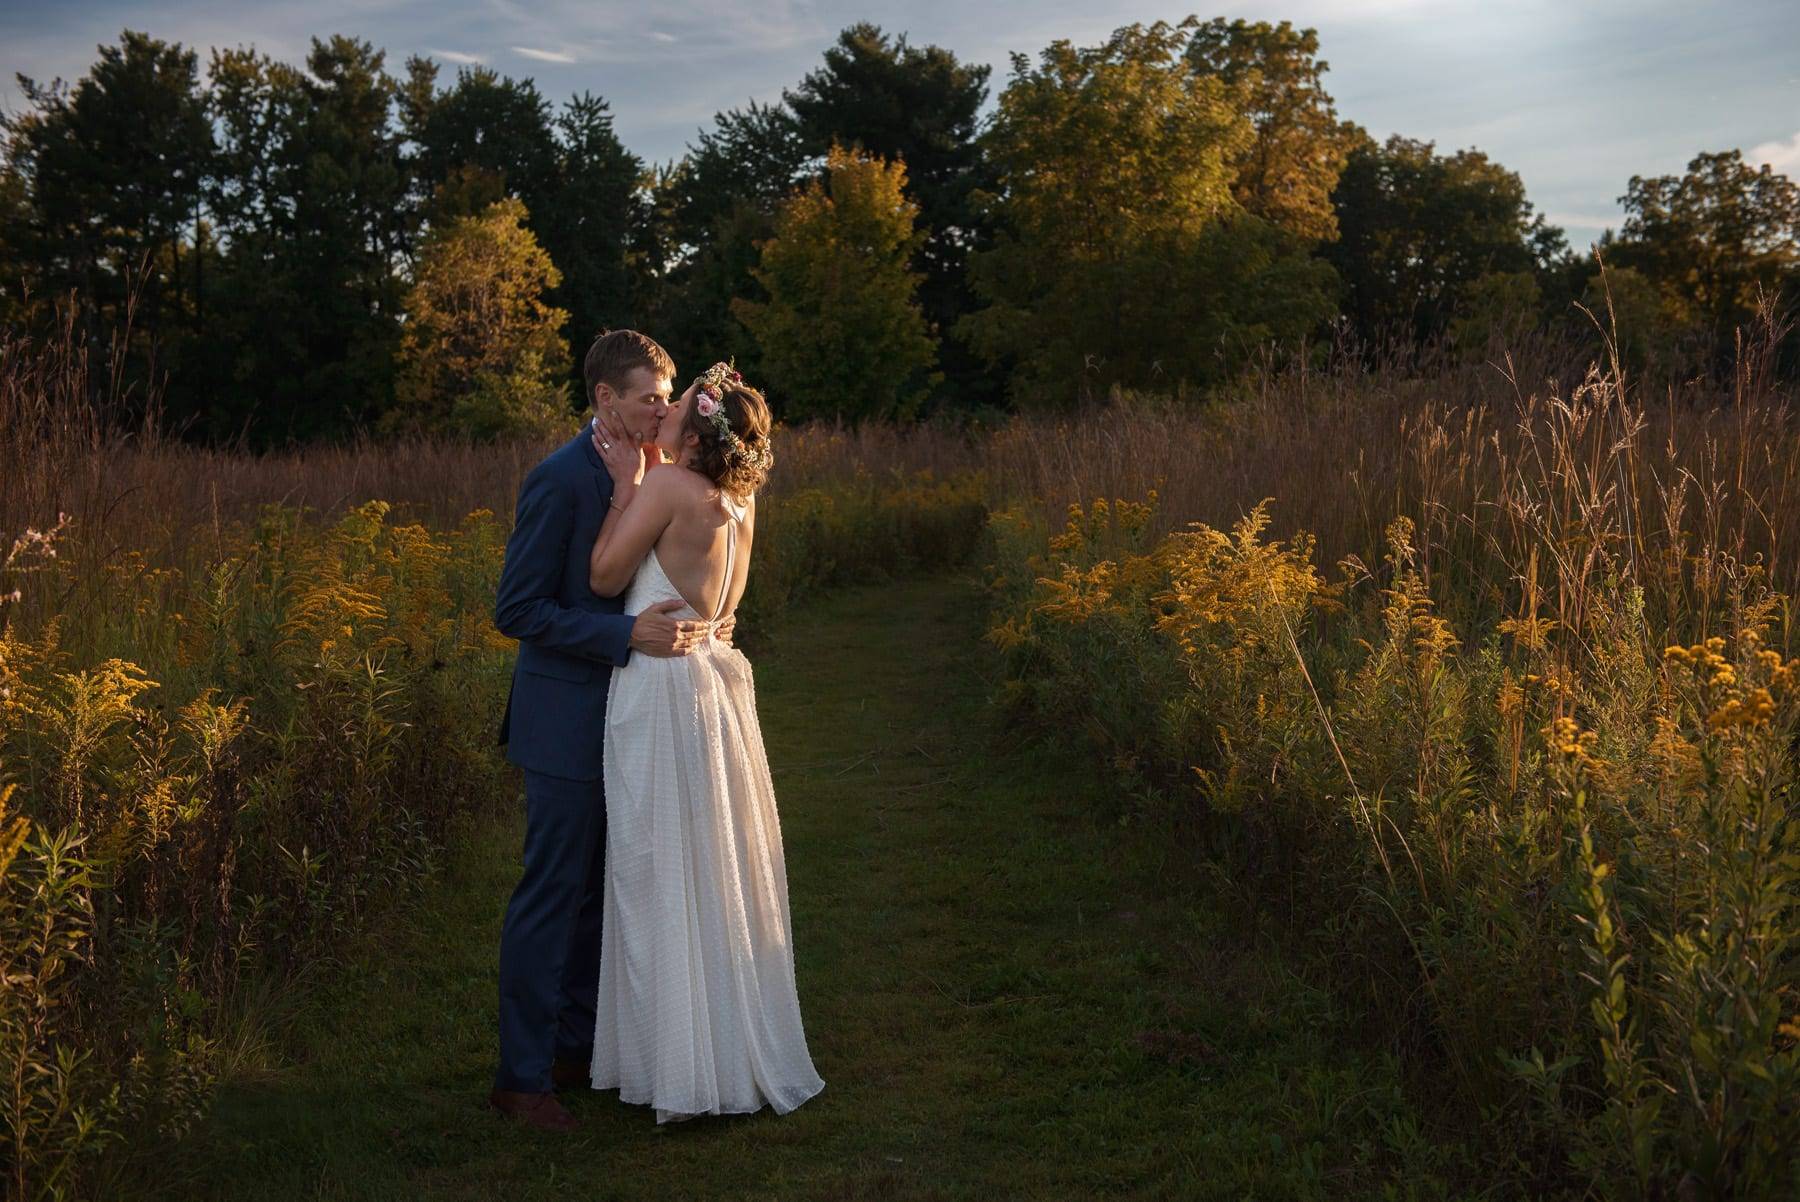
(569, 639)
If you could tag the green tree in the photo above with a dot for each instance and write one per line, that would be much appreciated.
(1496, 311)
(482, 354)
(15, 225)
(1125, 260)
(489, 136)
(485, 136)
(1417, 229)
(841, 333)
(1710, 238)
(1286, 173)
(707, 215)
(588, 221)
(753, 155)
(920, 106)
(311, 197)
(1650, 329)
(108, 179)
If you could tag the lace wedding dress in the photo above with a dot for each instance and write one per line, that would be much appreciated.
(698, 1012)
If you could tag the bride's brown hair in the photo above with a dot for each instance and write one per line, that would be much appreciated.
(738, 467)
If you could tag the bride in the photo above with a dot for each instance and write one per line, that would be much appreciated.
(698, 1011)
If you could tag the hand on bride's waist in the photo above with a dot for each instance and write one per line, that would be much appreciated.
(656, 631)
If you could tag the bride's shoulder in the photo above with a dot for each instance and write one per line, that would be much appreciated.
(669, 477)
(683, 490)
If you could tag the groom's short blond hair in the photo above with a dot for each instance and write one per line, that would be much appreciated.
(615, 354)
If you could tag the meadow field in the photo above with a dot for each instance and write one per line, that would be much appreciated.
(1471, 680)
(1275, 639)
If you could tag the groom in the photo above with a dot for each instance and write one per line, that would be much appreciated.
(569, 643)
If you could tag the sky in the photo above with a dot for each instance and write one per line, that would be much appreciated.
(1577, 96)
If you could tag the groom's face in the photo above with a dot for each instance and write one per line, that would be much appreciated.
(641, 402)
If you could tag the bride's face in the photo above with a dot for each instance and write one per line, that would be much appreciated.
(671, 434)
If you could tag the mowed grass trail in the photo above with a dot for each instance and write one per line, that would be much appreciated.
(1008, 993)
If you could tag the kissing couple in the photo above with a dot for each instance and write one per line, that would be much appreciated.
(647, 945)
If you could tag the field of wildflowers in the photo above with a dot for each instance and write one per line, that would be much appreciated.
(1489, 688)
(1525, 776)
(239, 713)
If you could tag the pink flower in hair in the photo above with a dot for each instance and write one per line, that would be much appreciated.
(707, 404)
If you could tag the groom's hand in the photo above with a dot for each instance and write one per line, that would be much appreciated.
(656, 633)
(723, 627)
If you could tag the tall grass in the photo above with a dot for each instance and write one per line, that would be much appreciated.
(1515, 732)
(242, 704)
(241, 701)
(1479, 454)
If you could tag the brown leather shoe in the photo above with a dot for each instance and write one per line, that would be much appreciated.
(568, 1074)
(540, 1110)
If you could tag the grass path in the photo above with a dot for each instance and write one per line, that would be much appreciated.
(1009, 994)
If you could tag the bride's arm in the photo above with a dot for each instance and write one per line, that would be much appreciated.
(630, 530)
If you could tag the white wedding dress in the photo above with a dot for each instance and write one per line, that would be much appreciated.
(698, 1011)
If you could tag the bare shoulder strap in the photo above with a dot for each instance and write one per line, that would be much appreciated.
(731, 528)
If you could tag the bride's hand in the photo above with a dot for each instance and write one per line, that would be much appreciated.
(619, 451)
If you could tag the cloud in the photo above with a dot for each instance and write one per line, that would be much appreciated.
(1782, 156)
(722, 29)
(544, 56)
(1584, 221)
(456, 56)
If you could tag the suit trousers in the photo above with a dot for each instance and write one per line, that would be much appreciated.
(550, 944)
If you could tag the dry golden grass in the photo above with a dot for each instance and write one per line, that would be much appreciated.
(1529, 757)
(1478, 455)
(1565, 514)
(243, 698)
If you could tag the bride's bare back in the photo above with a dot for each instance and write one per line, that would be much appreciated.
(708, 534)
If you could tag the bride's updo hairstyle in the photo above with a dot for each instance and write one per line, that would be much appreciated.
(737, 457)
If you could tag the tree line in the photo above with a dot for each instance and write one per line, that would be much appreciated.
(291, 252)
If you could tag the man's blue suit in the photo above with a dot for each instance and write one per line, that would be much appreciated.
(569, 643)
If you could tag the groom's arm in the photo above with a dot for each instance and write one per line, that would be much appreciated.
(526, 606)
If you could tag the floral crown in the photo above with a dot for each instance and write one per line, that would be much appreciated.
(710, 402)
